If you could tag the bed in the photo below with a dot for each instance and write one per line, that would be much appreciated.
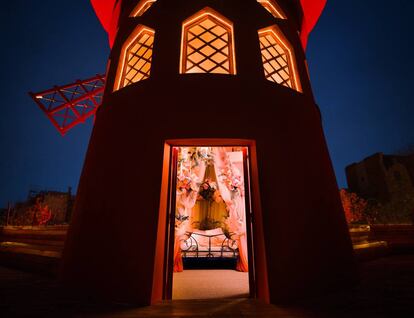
(211, 244)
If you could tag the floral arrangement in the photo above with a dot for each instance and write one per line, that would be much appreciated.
(188, 160)
(208, 189)
(186, 183)
(190, 157)
(232, 181)
(180, 219)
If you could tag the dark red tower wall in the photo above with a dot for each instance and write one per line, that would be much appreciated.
(114, 242)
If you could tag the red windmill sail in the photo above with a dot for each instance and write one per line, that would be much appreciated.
(312, 10)
(69, 105)
(108, 13)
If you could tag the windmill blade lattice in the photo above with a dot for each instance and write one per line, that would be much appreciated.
(69, 105)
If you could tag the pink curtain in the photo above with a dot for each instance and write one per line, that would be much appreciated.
(188, 185)
(231, 186)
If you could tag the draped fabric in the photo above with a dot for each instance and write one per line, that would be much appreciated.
(189, 179)
(214, 210)
(231, 186)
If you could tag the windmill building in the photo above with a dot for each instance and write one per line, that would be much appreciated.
(197, 154)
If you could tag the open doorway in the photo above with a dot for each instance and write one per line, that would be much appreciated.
(211, 235)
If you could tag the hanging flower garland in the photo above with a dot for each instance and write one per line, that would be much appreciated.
(232, 180)
(188, 160)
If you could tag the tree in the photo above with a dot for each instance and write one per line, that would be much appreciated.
(41, 213)
(354, 206)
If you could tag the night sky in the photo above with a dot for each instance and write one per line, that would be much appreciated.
(360, 65)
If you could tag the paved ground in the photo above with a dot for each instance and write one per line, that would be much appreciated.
(386, 290)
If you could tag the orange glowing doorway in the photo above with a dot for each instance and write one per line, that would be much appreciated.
(209, 249)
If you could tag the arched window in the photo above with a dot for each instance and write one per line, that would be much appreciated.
(135, 59)
(273, 8)
(278, 58)
(207, 44)
(141, 8)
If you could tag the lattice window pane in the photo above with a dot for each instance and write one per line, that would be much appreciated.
(273, 8)
(138, 59)
(275, 60)
(207, 46)
(141, 8)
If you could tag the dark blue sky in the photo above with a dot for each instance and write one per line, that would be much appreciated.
(360, 65)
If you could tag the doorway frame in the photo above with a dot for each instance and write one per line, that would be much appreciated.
(164, 262)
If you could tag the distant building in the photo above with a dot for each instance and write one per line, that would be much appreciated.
(382, 177)
(60, 205)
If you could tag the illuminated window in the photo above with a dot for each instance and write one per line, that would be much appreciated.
(141, 8)
(207, 44)
(278, 58)
(273, 8)
(135, 59)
